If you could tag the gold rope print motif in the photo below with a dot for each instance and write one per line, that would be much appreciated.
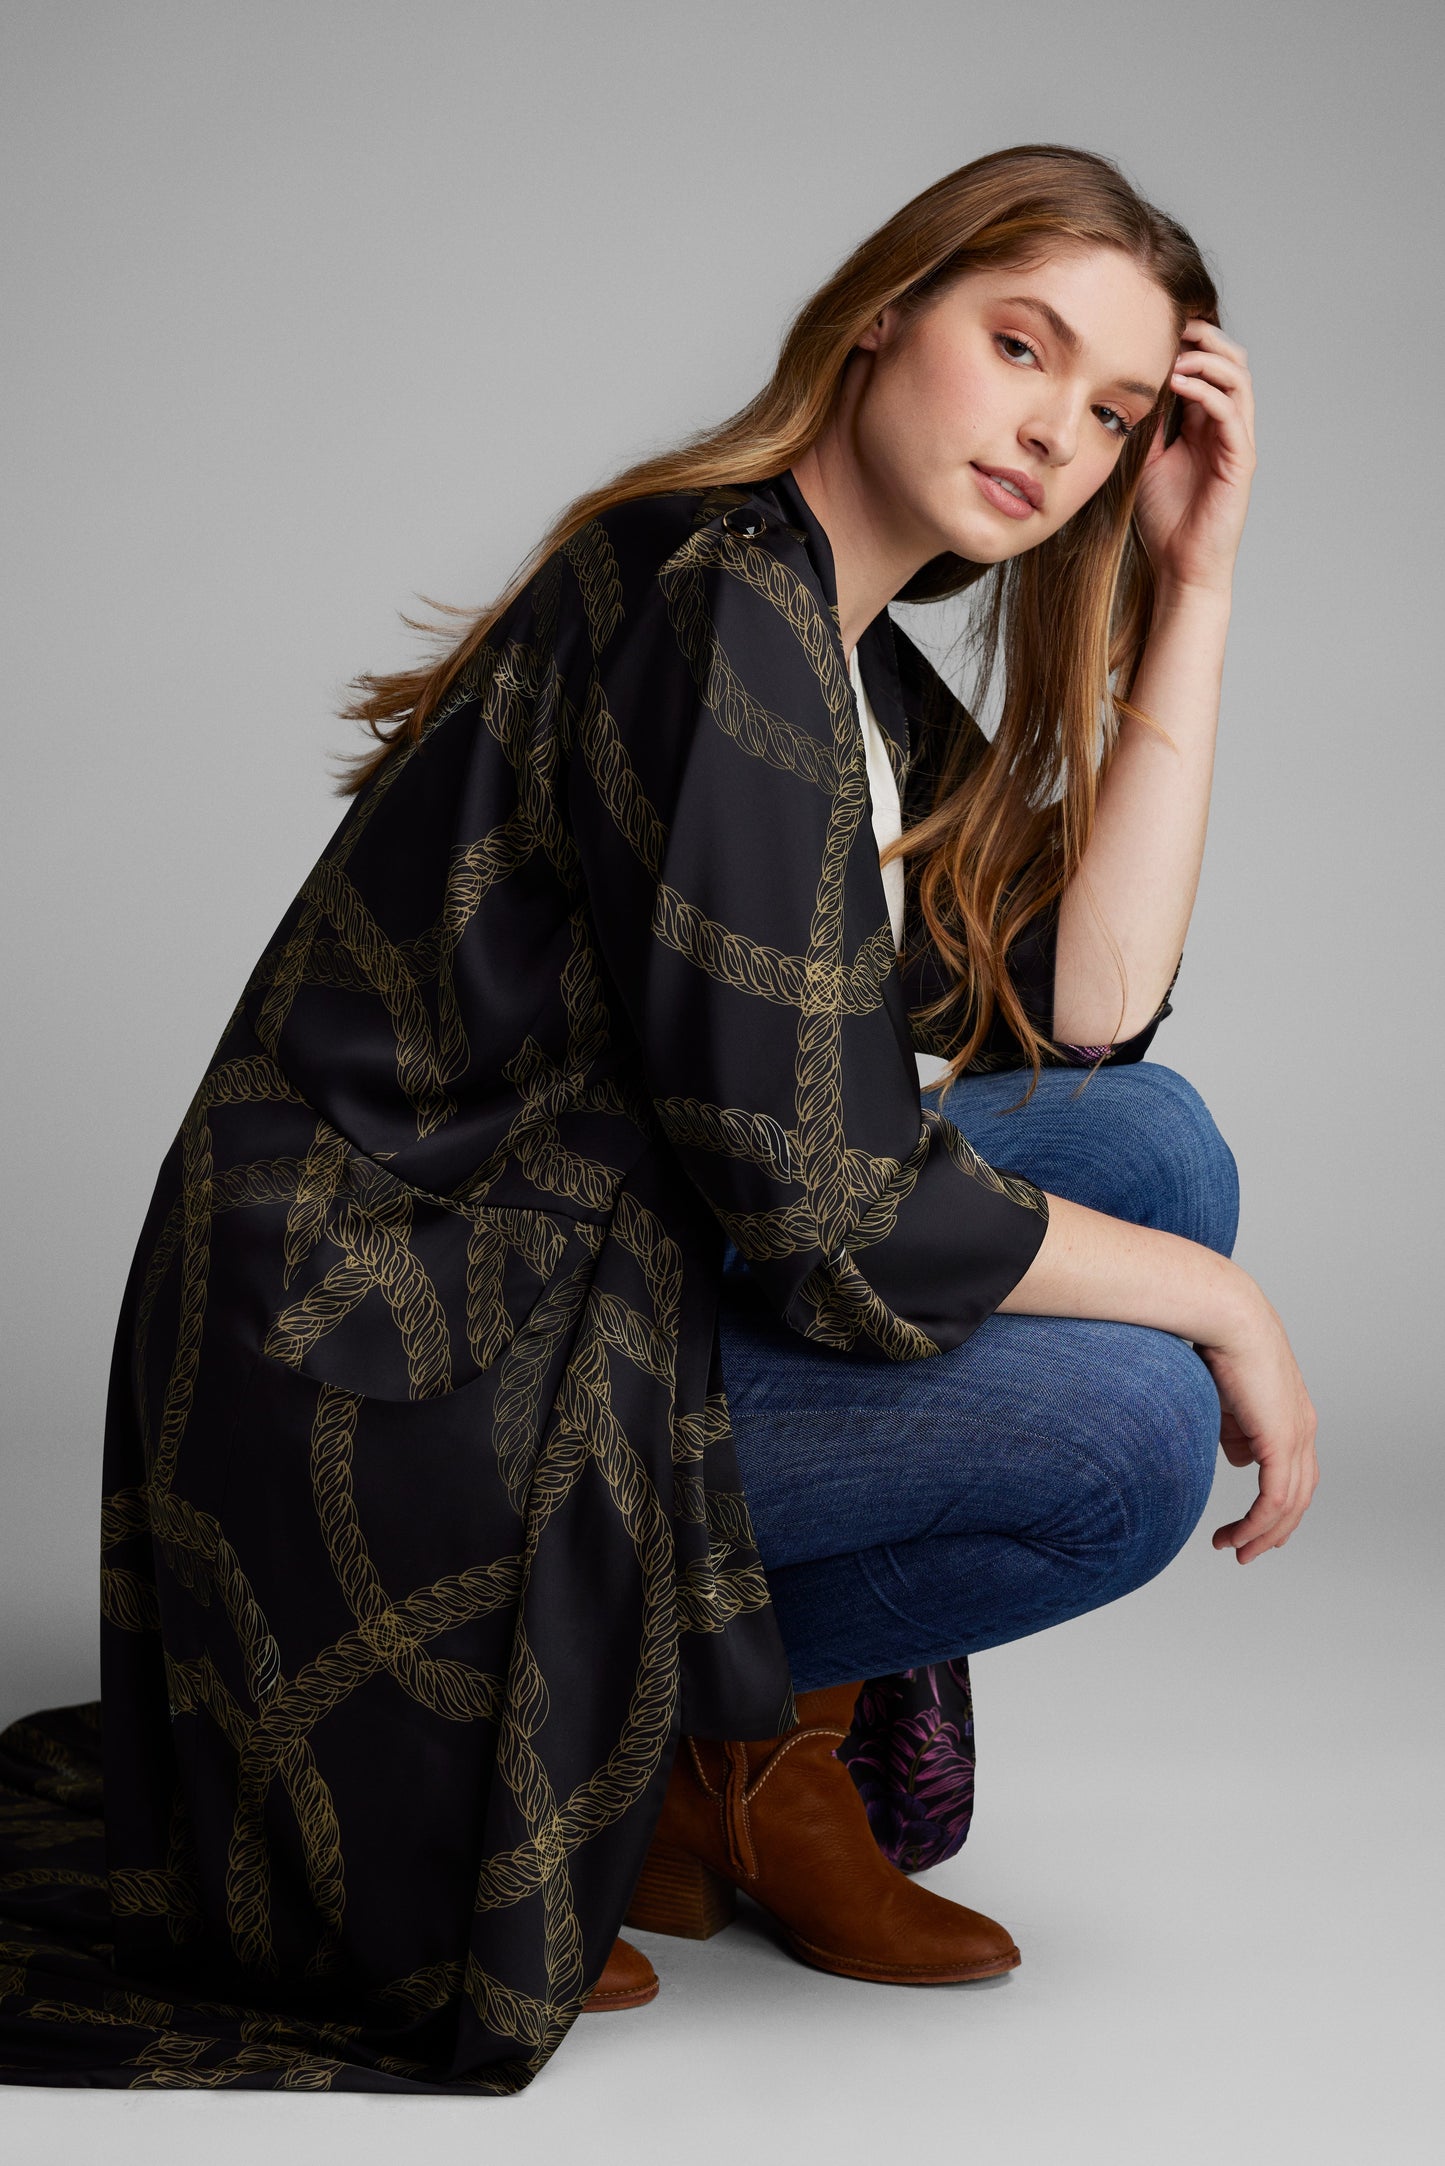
(822, 987)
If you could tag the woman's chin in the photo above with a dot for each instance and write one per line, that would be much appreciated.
(984, 536)
(985, 548)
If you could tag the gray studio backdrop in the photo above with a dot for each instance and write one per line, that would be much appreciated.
(319, 308)
(312, 309)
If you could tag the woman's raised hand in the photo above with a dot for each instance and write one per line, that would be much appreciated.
(1193, 496)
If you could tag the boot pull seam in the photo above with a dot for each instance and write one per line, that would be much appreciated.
(698, 1768)
(744, 1855)
(752, 1848)
(797, 1738)
(748, 1824)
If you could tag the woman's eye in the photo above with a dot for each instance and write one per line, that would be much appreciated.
(1113, 421)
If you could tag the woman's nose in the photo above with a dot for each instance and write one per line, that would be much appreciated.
(1053, 434)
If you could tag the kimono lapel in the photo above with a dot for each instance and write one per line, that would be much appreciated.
(877, 649)
(878, 667)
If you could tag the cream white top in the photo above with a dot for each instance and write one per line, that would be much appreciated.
(887, 812)
(887, 822)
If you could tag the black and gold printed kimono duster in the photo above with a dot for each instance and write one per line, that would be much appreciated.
(423, 1534)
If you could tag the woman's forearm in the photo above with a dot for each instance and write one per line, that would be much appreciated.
(1092, 1265)
(1138, 878)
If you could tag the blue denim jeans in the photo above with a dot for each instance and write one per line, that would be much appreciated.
(909, 1512)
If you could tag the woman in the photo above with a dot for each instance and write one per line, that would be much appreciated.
(561, 1333)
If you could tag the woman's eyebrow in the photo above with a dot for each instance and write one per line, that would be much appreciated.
(1069, 338)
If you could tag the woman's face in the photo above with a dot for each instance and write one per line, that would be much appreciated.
(1036, 375)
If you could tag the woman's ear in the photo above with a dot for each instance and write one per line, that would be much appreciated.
(879, 331)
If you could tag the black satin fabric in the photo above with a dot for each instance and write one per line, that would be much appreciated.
(423, 1534)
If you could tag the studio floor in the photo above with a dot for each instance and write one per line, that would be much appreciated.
(1209, 1815)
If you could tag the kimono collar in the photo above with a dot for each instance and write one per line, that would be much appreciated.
(877, 654)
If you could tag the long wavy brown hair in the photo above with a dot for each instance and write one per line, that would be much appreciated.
(1061, 627)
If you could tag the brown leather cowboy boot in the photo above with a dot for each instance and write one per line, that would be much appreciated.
(628, 1981)
(782, 1819)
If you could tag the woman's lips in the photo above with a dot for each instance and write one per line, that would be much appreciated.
(1003, 499)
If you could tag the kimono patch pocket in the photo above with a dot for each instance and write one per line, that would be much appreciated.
(395, 1292)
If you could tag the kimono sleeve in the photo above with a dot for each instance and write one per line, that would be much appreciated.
(717, 794)
(1031, 967)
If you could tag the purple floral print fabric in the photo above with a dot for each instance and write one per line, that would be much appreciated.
(910, 1752)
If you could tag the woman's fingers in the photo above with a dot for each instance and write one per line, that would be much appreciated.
(1225, 373)
(1266, 1416)
(1222, 366)
(1233, 1442)
(1287, 1484)
(1221, 369)
(1211, 335)
(1222, 360)
(1208, 338)
(1260, 1523)
(1223, 408)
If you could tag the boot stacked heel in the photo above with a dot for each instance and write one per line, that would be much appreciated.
(678, 1894)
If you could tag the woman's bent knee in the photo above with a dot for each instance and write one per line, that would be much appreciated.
(1136, 1142)
(1168, 1452)
(1186, 1177)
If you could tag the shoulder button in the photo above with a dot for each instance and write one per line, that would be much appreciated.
(744, 519)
